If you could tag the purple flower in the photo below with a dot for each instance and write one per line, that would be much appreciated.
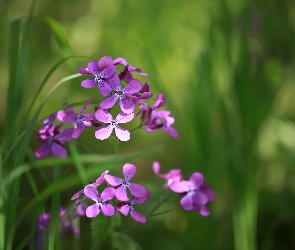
(161, 119)
(66, 222)
(100, 180)
(193, 194)
(202, 209)
(43, 221)
(125, 207)
(170, 177)
(153, 119)
(126, 105)
(79, 119)
(48, 130)
(136, 190)
(55, 143)
(144, 93)
(102, 71)
(105, 132)
(128, 68)
(107, 194)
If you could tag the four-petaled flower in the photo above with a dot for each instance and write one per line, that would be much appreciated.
(100, 200)
(193, 195)
(105, 132)
(126, 105)
(125, 207)
(102, 71)
(79, 119)
(136, 190)
(55, 144)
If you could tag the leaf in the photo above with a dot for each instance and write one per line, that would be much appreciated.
(124, 242)
(100, 228)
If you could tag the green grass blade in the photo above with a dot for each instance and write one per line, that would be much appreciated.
(34, 119)
(60, 36)
(78, 163)
(43, 83)
(54, 214)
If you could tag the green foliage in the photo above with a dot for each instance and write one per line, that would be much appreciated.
(123, 241)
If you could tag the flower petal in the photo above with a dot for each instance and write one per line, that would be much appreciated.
(124, 118)
(92, 211)
(121, 193)
(65, 135)
(132, 87)
(43, 150)
(156, 167)
(78, 131)
(103, 116)
(173, 132)
(91, 192)
(103, 133)
(104, 62)
(199, 198)
(108, 193)
(104, 87)
(120, 60)
(160, 101)
(113, 180)
(58, 150)
(124, 209)
(108, 72)
(88, 83)
(70, 118)
(186, 202)
(137, 216)
(114, 82)
(76, 195)
(101, 178)
(122, 133)
(129, 170)
(180, 187)
(83, 71)
(109, 101)
(93, 67)
(196, 179)
(126, 105)
(136, 190)
(108, 210)
(144, 198)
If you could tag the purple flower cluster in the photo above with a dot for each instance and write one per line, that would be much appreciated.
(115, 188)
(114, 87)
(196, 194)
(66, 223)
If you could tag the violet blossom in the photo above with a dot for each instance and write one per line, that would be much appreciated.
(79, 119)
(125, 207)
(121, 185)
(196, 195)
(55, 143)
(102, 70)
(100, 200)
(105, 131)
(128, 68)
(126, 105)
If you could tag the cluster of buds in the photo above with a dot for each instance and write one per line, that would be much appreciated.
(122, 87)
(115, 187)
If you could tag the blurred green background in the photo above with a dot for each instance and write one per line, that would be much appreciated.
(227, 69)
